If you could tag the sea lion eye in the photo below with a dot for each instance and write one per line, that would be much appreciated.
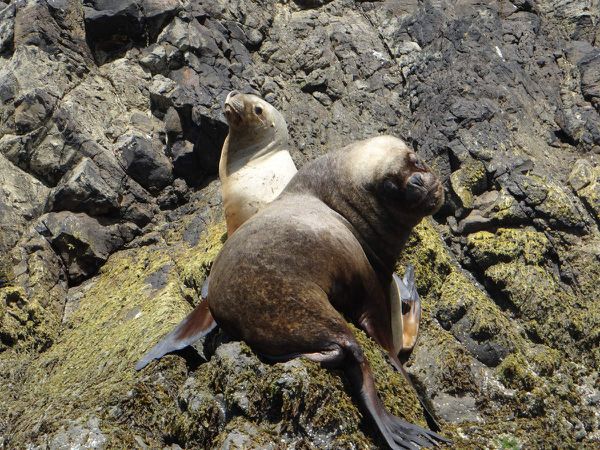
(258, 110)
(390, 188)
(416, 161)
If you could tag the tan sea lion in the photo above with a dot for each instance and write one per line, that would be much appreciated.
(255, 162)
(327, 245)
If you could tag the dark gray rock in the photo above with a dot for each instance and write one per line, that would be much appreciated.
(84, 189)
(39, 24)
(590, 78)
(7, 27)
(32, 109)
(113, 25)
(481, 345)
(144, 161)
(185, 161)
(82, 242)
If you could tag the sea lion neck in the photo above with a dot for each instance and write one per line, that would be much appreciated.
(244, 144)
(380, 235)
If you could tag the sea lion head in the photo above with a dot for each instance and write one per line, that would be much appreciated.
(400, 181)
(253, 121)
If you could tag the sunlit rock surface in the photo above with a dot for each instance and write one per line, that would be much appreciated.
(110, 215)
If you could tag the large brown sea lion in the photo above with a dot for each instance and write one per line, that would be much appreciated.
(327, 245)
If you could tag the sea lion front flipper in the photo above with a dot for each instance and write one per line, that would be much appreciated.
(411, 313)
(398, 291)
(197, 324)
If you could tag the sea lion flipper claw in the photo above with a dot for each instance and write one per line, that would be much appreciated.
(196, 325)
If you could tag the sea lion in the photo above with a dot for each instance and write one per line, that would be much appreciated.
(255, 162)
(256, 166)
(327, 245)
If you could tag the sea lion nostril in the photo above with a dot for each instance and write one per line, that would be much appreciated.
(416, 179)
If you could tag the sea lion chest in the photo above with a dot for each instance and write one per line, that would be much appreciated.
(249, 184)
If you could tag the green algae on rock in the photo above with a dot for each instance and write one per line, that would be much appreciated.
(468, 181)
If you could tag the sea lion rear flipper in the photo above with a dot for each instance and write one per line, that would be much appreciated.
(197, 324)
(397, 433)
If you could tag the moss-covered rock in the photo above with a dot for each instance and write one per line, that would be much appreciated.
(139, 295)
(24, 322)
(551, 202)
(507, 244)
(468, 181)
(585, 180)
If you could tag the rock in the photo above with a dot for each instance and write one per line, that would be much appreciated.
(82, 242)
(145, 162)
(185, 163)
(39, 275)
(548, 199)
(507, 244)
(113, 25)
(41, 24)
(590, 78)
(475, 221)
(585, 180)
(80, 434)
(85, 190)
(457, 409)
(468, 181)
(7, 26)
(22, 199)
(32, 110)
(507, 272)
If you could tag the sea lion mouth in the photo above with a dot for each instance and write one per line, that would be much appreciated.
(433, 199)
(233, 115)
(424, 190)
(233, 108)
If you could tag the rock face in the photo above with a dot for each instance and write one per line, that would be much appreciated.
(110, 214)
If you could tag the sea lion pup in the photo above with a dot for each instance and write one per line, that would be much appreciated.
(327, 245)
(255, 162)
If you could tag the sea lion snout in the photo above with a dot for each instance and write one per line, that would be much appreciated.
(424, 190)
(234, 108)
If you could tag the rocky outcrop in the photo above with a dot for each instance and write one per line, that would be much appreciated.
(110, 214)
